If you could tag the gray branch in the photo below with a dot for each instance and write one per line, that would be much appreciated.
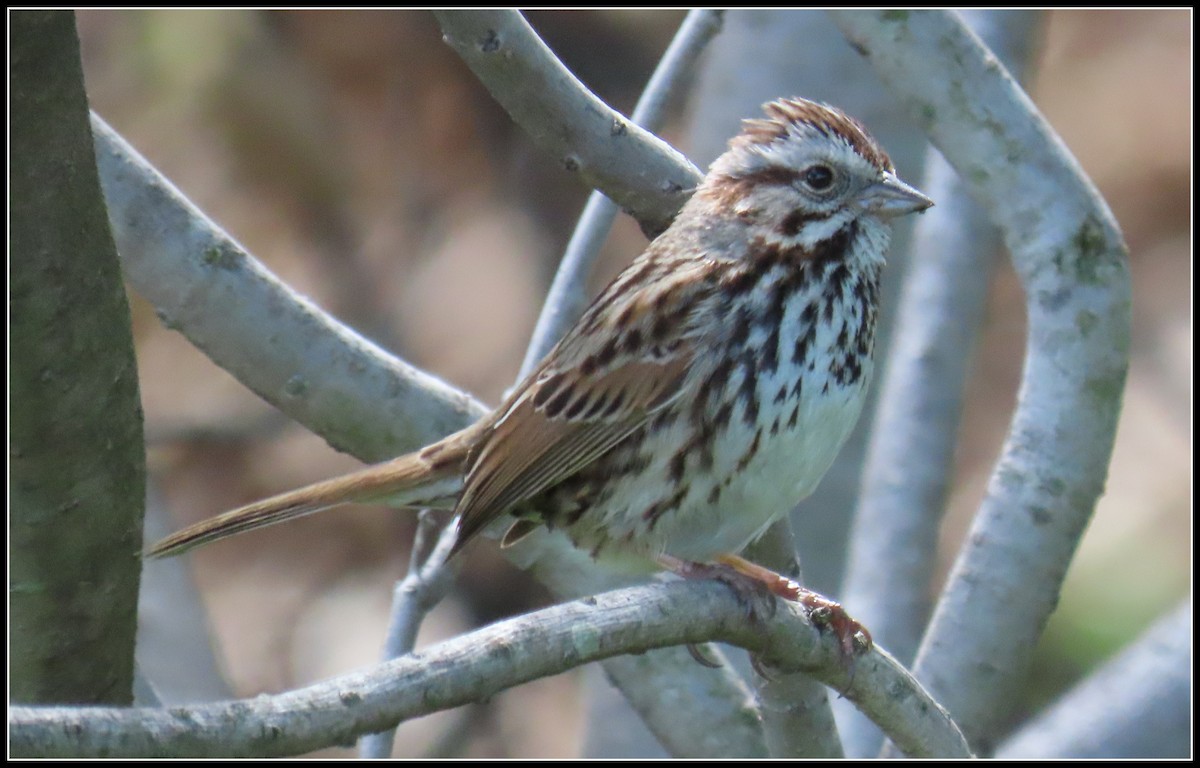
(940, 312)
(1135, 706)
(307, 364)
(483, 663)
(430, 577)
(644, 175)
(910, 460)
(1073, 264)
(797, 719)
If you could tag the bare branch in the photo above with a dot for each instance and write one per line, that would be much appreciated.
(482, 663)
(680, 707)
(202, 283)
(644, 175)
(893, 547)
(428, 580)
(797, 719)
(1071, 259)
(1135, 706)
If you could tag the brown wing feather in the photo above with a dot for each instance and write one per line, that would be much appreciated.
(540, 441)
(628, 356)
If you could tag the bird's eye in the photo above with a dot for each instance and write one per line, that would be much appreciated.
(819, 177)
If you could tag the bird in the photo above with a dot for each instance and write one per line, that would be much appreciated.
(702, 394)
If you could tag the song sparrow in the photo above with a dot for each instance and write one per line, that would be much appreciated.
(701, 396)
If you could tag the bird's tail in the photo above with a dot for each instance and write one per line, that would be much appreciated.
(429, 477)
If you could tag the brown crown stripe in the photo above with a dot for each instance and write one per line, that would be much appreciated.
(785, 113)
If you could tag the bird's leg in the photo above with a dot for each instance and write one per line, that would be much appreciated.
(752, 581)
(746, 592)
(824, 613)
(750, 592)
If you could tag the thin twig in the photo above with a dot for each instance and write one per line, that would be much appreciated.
(428, 580)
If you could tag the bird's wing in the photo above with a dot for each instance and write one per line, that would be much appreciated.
(615, 370)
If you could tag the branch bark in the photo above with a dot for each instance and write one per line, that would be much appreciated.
(480, 664)
(693, 711)
(910, 459)
(204, 284)
(640, 172)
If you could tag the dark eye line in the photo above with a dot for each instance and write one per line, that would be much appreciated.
(775, 175)
(819, 177)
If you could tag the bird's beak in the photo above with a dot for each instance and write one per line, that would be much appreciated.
(891, 197)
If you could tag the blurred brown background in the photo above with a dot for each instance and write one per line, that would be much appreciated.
(358, 158)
